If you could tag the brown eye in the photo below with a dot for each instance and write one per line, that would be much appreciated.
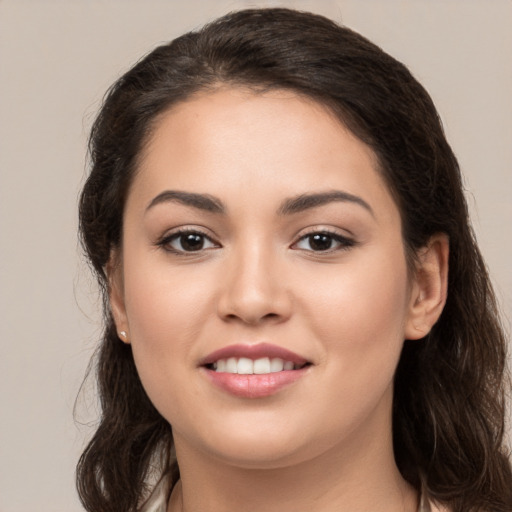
(189, 241)
(323, 242)
(320, 242)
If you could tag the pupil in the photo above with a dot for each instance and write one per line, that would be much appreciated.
(320, 242)
(192, 242)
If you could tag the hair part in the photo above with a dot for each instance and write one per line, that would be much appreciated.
(450, 387)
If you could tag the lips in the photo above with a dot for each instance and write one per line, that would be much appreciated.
(253, 371)
(254, 352)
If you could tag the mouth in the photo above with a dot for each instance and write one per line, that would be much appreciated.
(254, 371)
(260, 366)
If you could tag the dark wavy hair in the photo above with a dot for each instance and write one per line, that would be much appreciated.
(450, 388)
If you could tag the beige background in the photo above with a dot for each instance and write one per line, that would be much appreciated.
(56, 60)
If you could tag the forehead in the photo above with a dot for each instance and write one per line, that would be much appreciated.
(234, 140)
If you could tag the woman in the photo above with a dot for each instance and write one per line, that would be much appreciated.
(297, 314)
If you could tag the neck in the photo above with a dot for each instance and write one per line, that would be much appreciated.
(363, 478)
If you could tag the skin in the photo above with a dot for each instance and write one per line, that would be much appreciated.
(324, 442)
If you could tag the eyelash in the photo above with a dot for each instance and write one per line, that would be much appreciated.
(343, 242)
(165, 241)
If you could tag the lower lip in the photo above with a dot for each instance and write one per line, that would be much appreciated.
(254, 386)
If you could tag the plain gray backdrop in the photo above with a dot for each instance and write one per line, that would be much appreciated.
(57, 58)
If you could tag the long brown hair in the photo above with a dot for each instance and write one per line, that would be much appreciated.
(450, 388)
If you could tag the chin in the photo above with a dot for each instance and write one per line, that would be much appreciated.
(259, 456)
(259, 445)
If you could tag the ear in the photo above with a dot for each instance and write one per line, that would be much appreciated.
(114, 271)
(429, 287)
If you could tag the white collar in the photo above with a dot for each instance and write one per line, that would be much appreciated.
(157, 501)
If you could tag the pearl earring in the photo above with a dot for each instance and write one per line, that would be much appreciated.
(122, 334)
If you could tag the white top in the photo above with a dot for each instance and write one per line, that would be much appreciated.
(157, 501)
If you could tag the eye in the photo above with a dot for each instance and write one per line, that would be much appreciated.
(186, 242)
(323, 241)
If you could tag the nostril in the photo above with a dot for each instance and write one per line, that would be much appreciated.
(253, 306)
(253, 318)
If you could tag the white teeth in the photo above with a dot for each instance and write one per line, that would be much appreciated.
(246, 366)
(231, 365)
(276, 365)
(262, 365)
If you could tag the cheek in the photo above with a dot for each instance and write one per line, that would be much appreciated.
(166, 313)
(357, 316)
(156, 312)
(163, 304)
(359, 312)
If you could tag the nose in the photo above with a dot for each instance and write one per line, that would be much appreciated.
(254, 291)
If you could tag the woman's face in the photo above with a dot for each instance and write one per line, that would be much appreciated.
(258, 226)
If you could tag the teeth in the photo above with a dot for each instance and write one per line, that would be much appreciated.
(246, 366)
(231, 365)
(276, 365)
(262, 365)
(288, 365)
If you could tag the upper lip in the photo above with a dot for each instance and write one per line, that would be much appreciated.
(256, 351)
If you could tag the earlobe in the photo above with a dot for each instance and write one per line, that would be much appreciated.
(116, 295)
(430, 287)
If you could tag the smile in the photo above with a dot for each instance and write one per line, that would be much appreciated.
(253, 371)
(261, 366)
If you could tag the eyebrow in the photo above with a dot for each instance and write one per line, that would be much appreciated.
(306, 201)
(204, 202)
(290, 206)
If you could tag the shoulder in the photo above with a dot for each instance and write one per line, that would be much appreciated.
(157, 500)
(435, 507)
(427, 505)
